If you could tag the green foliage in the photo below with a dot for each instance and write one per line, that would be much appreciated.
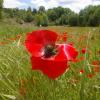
(59, 15)
(94, 20)
(73, 20)
(89, 16)
(34, 11)
(29, 9)
(11, 12)
(51, 15)
(1, 7)
(59, 11)
(28, 17)
(63, 19)
(41, 19)
(41, 9)
(19, 20)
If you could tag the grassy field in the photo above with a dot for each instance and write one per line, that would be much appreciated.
(19, 82)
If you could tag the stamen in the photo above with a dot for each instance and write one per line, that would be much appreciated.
(49, 51)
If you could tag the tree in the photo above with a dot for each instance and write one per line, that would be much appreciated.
(59, 11)
(28, 15)
(73, 20)
(41, 19)
(59, 15)
(51, 15)
(20, 16)
(97, 16)
(29, 9)
(63, 20)
(81, 18)
(11, 13)
(34, 11)
(1, 7)
(41, 9)
(45, 19)
(38, 19)
(90, 16)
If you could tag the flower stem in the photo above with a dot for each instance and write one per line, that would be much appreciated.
(83, 80)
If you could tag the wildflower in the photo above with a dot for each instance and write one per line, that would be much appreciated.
(96, 62)
(18, 36)
(22, 82)
(96, 69)
(71, 43)
(59, 37)
(99, 51)
(3, 43)
(64, 37)
(90, 75)
(46, 56)
(22, 91)
(82, 71)
(78, 59)
(83, 50)
(22, 88)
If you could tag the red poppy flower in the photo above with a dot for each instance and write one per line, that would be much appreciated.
(64, 37)
(78, 59)
(82, 71)
(48, 57)
(22, 91)
(96, 69)
(3, 43)
(99, 51)
(83, 50)
(96, 62)
(90, 75)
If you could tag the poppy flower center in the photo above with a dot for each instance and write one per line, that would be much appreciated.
(49, 50)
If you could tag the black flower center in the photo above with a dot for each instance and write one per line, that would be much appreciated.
(50, 50)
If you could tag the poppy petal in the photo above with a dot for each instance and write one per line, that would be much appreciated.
(83, 50)
(35, 49)
(69, 51)
(51, 67)
(42, 37)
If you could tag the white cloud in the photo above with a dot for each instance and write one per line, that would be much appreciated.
(75, 5)
(13, 4)
(47, 4)
(96, 2)
(79, 4)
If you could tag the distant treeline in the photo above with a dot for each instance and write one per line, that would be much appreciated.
(89, 16)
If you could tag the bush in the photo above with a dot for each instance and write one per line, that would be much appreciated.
(41, 19)
(28, 17)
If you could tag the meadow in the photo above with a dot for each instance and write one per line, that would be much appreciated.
(19, 82)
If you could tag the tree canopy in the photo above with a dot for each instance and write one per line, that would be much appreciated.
(89, 16)
(1, 7)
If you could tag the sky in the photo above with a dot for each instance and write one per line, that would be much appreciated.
(75, 5)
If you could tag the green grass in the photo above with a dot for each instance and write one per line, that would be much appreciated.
(15, 67)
